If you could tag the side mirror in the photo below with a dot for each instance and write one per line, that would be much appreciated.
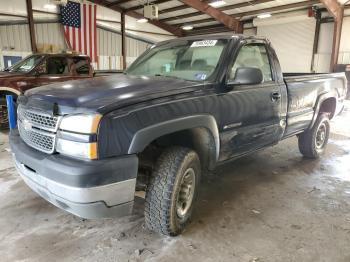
(247, 76)
(40, 70)
(36, 73)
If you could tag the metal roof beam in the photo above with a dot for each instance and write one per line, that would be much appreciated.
(259, 11)
(218, 15)
(333, 7)
(337, 11)
(151, 3)
(224, 8)
(169, 28)
(117, 3)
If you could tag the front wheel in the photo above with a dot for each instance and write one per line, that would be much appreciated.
(313, 142)
(4, 123)
(172, 191)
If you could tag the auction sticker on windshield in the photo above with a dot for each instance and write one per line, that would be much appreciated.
(204, 43)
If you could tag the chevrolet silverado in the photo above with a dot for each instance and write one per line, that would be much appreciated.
(182, 108)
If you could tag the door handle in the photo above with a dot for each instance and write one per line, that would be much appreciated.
(275, 96)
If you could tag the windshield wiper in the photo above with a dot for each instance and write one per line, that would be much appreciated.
(168, 76)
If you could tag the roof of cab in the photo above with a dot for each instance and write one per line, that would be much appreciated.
(214, 36)
(63, 54)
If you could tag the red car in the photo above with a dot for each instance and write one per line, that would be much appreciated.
(37, 70)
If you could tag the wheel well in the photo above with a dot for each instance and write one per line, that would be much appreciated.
(4, 93)
(328, 106)
(199, 139)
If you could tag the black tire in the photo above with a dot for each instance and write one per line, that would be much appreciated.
(310, 143)
(166, 191)
(4, 124)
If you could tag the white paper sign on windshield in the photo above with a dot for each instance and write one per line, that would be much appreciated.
(204, 43)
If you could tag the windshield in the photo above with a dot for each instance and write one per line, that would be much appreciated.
(189, 60)
(25, 65)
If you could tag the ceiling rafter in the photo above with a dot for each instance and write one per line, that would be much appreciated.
(117, 3)
(337, 11)
(205, 8)
(220, 28)
(333, 7)
(169, 28)
(156, 2)
(259, 11)
(224, 8)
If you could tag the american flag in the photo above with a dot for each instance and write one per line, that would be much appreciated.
(79, 21)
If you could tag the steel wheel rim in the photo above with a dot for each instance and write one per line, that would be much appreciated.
(3, 115)
(186, 193)
(321, 135)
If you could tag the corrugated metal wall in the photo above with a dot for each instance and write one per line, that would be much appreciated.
(109, 43)
(15, 37)
(135, 48)
(16, 40)
(109, 49)
(293, 42)
(50, 34)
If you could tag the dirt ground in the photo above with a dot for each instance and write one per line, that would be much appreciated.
(270, 206)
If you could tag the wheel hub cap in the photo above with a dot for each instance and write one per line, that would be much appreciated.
(321, 136)
(186, 193)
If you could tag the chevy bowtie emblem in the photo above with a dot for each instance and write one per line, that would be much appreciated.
(27, 125)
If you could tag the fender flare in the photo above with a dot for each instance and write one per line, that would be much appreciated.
(319, 102)
(9, 89)
(145, 136)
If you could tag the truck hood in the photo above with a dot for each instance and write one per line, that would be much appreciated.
(104, 94)
(7, 75)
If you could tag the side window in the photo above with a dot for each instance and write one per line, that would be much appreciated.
(82, 66)
(253, 55)
(57, 66)
(42, 68)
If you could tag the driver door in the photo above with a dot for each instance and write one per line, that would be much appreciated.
(252, 111)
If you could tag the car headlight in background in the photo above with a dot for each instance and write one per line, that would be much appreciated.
(77, 136)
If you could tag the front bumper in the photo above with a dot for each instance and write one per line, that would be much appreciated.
(88, 189)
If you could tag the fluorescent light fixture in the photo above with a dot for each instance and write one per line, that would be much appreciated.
(50, 6)
(262, 16)
(217, 3)
(142, 20)
(187, 27)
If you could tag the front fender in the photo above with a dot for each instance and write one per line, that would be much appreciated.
(145, 136)
(9, 90)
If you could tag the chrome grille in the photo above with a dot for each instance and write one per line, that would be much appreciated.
(42, 141)
(38, 129)
(39, 119)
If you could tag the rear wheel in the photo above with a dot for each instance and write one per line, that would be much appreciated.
(313, 142)
(172, 191)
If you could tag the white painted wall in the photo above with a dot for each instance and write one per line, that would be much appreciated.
(15, 40)
(323, 56)
(292, 37)
(344, 50)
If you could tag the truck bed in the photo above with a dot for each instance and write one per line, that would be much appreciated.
(303, 91)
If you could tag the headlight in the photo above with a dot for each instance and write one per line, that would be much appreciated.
(86, 124)
(77, 136)
(77, 149)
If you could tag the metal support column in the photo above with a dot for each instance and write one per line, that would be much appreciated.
(31, 25)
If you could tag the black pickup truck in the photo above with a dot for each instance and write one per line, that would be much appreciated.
(183, 107)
